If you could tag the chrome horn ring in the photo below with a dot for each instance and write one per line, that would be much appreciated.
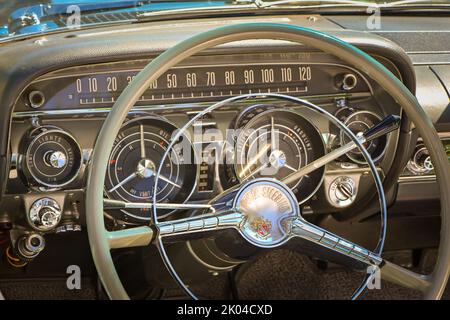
(282, 234)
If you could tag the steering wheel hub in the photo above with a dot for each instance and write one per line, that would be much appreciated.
(268, 207)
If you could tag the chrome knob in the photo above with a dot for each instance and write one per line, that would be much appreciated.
(48, 215)
(342, 192)
(44, 214)
(420, 162)
(55, 159)
(36, 99)
(30, 245)
(346, 81)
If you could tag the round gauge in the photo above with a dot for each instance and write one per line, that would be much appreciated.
(360, 122)
(135, 159)
(52, 158)
(277, 143)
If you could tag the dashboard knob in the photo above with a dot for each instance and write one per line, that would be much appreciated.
(342, 192)
(44, 214)
(420, 162)
(36, 99)
(29, 246)
(346, 81)
(55, 159)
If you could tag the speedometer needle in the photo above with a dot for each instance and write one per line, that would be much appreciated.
(142, 143)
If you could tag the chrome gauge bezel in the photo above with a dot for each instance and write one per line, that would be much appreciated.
(270, 109)
(37, 206)
(347, 122)
(35, 181)
(129, 217)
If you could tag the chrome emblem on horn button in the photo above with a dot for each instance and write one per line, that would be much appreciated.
(262, 227)
(267, 205)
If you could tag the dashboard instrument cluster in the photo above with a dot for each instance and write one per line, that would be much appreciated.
(58, 116)
(207, 79)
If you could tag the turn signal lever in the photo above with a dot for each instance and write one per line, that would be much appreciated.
(388, 124)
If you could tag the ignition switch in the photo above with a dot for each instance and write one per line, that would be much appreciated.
(342, 192)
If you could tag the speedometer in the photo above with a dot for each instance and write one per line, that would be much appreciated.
(276, 143)
(134, 162)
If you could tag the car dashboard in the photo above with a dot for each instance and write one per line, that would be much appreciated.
(58, 89)
(58, 116)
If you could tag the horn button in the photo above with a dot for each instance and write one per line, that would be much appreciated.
(268, 207)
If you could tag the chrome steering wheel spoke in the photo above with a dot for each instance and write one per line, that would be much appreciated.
(389, 271)
(227, 219)
(111, 204)
(303, 229)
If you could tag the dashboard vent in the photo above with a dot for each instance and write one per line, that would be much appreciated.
(106, 17)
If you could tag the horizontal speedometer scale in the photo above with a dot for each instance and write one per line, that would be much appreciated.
(198, 82)
(99, 86)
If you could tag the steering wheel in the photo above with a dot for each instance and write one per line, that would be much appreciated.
(238, 215)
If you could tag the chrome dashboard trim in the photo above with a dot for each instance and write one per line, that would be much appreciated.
(429, 177)
(198, 105)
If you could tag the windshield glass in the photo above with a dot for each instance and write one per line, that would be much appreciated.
(20, 18)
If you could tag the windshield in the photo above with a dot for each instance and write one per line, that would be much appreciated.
(30, 17)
